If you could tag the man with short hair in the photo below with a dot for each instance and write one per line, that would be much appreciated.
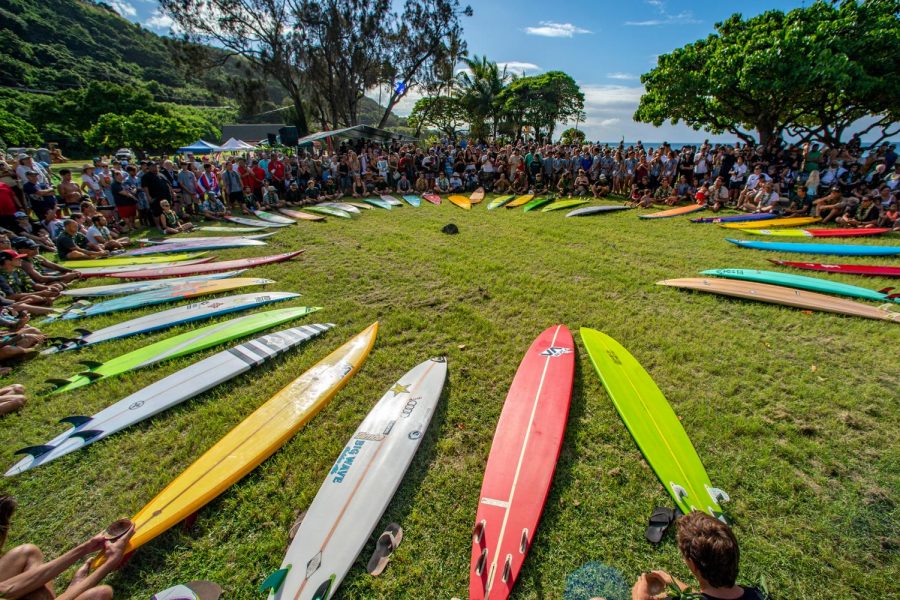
(710, 550)
(69, 191)
(99, 236)
(156, 188)
(71, 244)
(36, 266)
(40, 196)
(15, 284)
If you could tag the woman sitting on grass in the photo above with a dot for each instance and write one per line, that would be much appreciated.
(582, 184)
(24, 574)
(168, 222)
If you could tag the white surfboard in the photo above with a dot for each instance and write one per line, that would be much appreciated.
(254, 222)
(166, 393)
(133, 268)
(137, 287)
(204, 239)
(228, 229)
(343, 206)
(359, 487)
(194, 590)
(195, 311)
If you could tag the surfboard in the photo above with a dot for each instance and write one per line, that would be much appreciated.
(653, 425)
(181, 345)
(830, 249)
(674, 212)
(361, 205)
(589, 211)
(498, 202)
(521, 200)
(433, 198)
(252, 441)
(226, 265)
(273, 218)
(870, 270)
(563, 204)
(359, 487)
(328, 210)
(113, 271)
(412, 200)
(193, 590)
(165, 393)
(296, 214)
(777, 294)
(460, 201)
(477, 196)
(378, 202)
(196, 311)
(195, 245)
(813, 284)
(814, 233)
(161, 296)
(772, 223)
(226, 229)
(125, 261)
(521, 463)
(253, 222)
(344, 206)
(390, 200)
(536, 203)
(736, 218)
(119, 289)
(204, 238)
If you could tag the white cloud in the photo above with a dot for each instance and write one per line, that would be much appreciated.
(517, 67)
(605, 98)
(609, 122)
(123, 8)
(554, 29)
(622, 76)
(160, 21)
(402, 108)
(685, 17)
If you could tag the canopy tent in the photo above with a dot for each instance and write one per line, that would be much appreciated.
(198, 147)
(233, 145)
(357, 132)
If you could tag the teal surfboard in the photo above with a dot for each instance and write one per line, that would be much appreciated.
(413, 201)
(813, 284)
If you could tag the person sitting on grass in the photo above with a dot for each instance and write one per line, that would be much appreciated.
(12, 398)
(768, 200)
(539, 186)
(71, 244)
(357, 188)
(684, 191)
(664, 193)
(710, 550)
(100, 237)
(36, 266)
(719, 195)
(520, 183)
(168, 222)
(403, 185)
(456, 183)
(18, 287)
(294, 196)
(600, 187)
(213, 208)
(582, 184)
(442, 184)
(421, 184)
(636, 195)
(270, 200)
(249, 204)
(834, 205)
(564, 187)
(24, 574)
(800, 203)
(890, 218)
(864, 215)
(502, 185)
(313, 191)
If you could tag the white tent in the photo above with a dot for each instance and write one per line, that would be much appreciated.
(234, 145)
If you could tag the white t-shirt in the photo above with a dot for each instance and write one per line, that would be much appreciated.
(95, 235)
(740, 169)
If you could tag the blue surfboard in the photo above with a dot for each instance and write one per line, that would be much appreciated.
(831, 249)
(736, 218)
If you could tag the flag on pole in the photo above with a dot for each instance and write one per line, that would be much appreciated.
(400, 87)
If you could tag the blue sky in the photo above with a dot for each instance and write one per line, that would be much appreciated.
(605, 45)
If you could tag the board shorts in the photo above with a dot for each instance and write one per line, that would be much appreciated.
(127, 212)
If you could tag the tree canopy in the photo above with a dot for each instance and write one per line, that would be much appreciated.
(813, 72)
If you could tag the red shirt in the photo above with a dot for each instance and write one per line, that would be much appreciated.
(259, 175)
(276, 168)
(7, 201)
(247, 179)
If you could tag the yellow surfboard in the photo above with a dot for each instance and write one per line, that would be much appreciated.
(460, 201)
(520, 201)
(771, 223)
(253, 440)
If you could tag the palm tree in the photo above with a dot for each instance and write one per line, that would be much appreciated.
(479, 85)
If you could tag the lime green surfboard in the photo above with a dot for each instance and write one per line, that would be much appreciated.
(119, 261)
(181, 345)
(653, 425)
(537, 203)
(561, 204)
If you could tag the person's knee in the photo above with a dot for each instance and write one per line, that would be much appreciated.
(101, 592)
(28, 553)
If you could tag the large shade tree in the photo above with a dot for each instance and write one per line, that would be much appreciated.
(542, 101)
(815, 70)
(480, 84)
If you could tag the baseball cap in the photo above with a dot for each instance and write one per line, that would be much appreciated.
(23, 242)
(10, 254)
(31, 172)
(20, 215)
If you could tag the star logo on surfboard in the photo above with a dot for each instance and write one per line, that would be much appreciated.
(399, 389)
(556, 351)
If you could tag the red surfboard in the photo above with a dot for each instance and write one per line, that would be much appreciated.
(216, 267)
(521, 463)
(433, 198)
(875, 270)
(847, 232)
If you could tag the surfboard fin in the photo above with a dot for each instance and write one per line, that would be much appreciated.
(90, 364)
(717, 494)
(75, 420)
(86, 435)
(83, 332)
(893, 296)
(34, 451)
(58, 383)
(91, 375)
(274, 581)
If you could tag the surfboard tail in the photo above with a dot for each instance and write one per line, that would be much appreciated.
(35, 451)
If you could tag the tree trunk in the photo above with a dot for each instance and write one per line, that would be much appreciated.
(299, 115)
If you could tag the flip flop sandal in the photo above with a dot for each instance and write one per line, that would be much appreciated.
(384, 548)
(195, 590)
(660, 520)
(296, 526)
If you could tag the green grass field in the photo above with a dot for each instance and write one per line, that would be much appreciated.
(794, 414)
